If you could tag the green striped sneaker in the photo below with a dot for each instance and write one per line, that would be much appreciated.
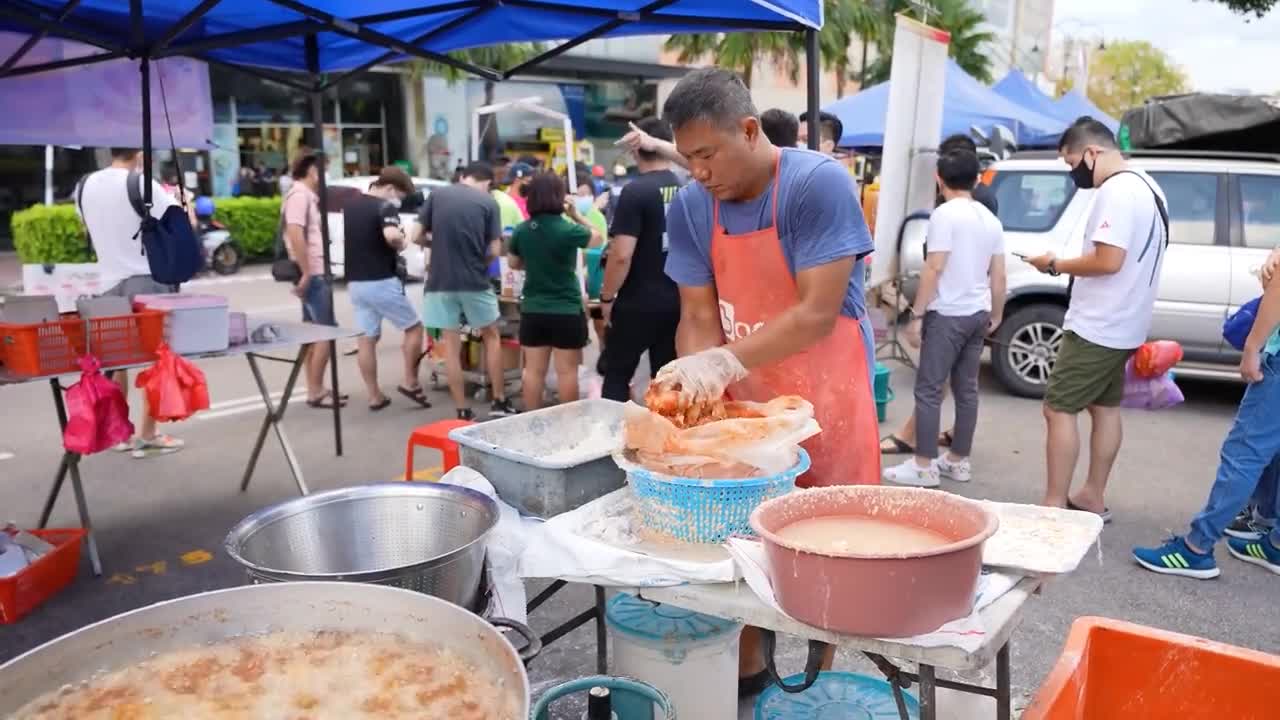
(1175, 558)
(1258, 552)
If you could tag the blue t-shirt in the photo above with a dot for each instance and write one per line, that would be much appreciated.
(816, 223)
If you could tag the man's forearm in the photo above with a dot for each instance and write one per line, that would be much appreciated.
(999, 286)
(694, 335)
(1090, 265)
(615, 274)
(926, 291)
(1268, 317)
(796, 329)
(667, 150)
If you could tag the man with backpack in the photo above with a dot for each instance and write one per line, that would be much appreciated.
(1112, 294)
(108, 207)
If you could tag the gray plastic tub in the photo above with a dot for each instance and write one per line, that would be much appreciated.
(548, 461)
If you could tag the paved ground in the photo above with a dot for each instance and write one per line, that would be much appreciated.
(161, 521)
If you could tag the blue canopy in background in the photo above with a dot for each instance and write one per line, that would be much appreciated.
(1074, 104)
(966, 102)
(1018, 87)
(354, 34)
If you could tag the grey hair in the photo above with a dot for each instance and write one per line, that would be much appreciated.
(1084, 131)
(713, 95)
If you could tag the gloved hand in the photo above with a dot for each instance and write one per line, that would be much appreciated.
(702, 377)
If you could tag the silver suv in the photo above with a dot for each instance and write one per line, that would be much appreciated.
(1224, 219)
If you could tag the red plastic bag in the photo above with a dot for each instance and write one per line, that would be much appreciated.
(1156, 358)
(175, 388)
(97, 413)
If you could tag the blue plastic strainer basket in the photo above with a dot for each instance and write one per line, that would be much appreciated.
(700, 510)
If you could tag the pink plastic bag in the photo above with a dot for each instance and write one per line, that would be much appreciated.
(1156, 393)
(175, 388)
(97, 413)
(1156, 358)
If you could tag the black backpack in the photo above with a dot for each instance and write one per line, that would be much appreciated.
(170, 243)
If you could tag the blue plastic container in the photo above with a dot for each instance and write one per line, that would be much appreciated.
(616, 685)
(834, 695)
(704, 511)
(883, 391)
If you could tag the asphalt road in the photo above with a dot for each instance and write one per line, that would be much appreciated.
(161, 521)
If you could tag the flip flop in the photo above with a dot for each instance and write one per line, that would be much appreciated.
(945, 438)
(325, 402)
(900, 446)
(417, 395)
(1105, 514)
(380, 405)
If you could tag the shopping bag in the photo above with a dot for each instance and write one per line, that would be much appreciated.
(175, 388)
(1239, 324)
(1158, 393)
(1156, 358)
(97, 413)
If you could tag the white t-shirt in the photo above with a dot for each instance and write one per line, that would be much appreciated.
(104, 208)
(970, 235)
(1114, 310)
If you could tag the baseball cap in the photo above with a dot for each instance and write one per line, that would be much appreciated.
(518, 170)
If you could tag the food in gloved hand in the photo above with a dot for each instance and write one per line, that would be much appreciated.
(667, 403)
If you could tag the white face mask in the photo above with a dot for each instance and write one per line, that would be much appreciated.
(583, 204)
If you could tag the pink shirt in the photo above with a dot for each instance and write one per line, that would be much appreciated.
(301, 207)
(521, 202)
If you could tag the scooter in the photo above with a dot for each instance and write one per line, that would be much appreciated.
(222, 253)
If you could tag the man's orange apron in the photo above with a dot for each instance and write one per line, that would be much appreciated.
(755, 284)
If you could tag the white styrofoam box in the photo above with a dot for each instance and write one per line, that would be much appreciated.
(195, 324)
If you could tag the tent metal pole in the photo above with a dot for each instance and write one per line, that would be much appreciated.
(254, 72)
(283, 31)
(598, 31)
(637, 16)
(36, 37)
(138, 39)
(61, 64)
(317, 121)
(813, 64)
(184, 23)
(12, 10)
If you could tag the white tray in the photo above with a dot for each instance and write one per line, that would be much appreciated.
(1040, 540)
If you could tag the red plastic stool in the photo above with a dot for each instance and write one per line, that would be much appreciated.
(434, 435)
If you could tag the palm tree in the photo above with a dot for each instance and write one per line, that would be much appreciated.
(739, 52)
(499, 57)
(969, 40)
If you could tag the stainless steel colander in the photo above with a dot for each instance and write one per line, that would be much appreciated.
(423, 537)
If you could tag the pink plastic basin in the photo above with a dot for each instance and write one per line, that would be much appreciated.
(877, 595)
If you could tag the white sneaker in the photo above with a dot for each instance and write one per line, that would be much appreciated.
(909, 473)
(957, 470)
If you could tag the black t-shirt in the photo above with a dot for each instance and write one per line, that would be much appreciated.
(983, 193)
(642, 213)
(368, 256)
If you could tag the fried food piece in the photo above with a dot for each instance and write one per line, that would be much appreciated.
(666, 401)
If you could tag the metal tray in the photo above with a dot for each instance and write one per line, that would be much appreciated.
(548, 461)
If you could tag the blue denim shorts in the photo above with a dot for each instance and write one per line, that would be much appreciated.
(317, 303)
(376, 300)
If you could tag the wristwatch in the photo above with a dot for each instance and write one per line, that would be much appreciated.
(1053, 268)
(607, 300)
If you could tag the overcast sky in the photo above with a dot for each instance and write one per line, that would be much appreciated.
(1217, 48)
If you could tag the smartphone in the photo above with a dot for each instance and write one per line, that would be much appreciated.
(1021, 256)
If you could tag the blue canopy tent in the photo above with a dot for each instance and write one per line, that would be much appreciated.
(1018, 87)
(315, 45)
(966, 103)
(1074, 104)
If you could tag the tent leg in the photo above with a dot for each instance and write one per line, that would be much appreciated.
(317, 121)
(812, 61)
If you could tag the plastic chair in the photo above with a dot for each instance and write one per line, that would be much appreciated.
(434, 435)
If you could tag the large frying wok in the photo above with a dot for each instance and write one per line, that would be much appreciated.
(222, 614)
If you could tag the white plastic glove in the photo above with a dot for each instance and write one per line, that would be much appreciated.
(702, 377)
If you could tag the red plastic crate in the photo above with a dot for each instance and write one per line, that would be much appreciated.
(42, 579)
(54, 347)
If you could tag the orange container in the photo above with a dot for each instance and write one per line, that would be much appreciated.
(42, 579)
(54, 347)
(1111, 670)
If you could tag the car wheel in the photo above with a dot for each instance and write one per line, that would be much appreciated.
(1025, 348)
(226, 259)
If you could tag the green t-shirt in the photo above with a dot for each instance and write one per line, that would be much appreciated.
(595, 271)
(508, 210)
(549, 246)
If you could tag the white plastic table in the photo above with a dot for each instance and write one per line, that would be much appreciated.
(291, 335)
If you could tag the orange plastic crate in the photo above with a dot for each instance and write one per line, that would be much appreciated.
(1113, 670)
(42, 579)
(54, 347)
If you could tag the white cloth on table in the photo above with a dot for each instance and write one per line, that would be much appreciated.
(965, 633)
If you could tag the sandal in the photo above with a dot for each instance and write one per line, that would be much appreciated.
(417, 395)
(945, 438)
(325, 401)
(897, 446)
(1105, 514)
(380, 405)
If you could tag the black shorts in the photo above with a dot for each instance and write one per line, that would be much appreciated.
(560, 331)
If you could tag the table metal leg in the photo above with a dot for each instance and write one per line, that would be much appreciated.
(602, 636)
(928, 694)
(70, 464)
(272, 421)
(1004, 690)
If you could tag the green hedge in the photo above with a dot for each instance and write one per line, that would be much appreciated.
(49, 234)
(53, 234)
(253, 222)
